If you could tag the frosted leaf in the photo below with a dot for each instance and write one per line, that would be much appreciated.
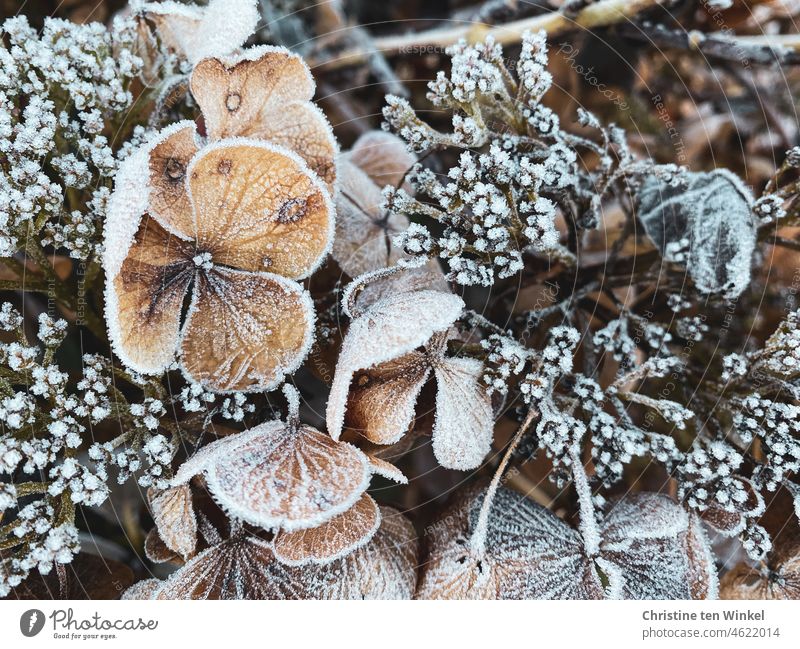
(653, 552)
(144, 589)
(364, 232)
(464, 426)
(333, 539)
(264, 93)
(245, 568)
(174, 517)
(196, 32)
(382, 399)
(647, 551)
(383, 156)
(708, 225)
(386, 469)
(528, 554)
(168, 160)
(279, 475)
(393, 326)
(778, 579)
(237, 568)
(245, 331)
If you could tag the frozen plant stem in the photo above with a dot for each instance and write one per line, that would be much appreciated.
(597, 14)
(478, 540)
(588, 523)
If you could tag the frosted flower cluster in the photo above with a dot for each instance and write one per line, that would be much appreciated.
(59, 89)
(502, 202)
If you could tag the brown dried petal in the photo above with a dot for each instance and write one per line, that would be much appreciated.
(144, 589)
(277, 477)
(363, 241)
(157, 551)
(386, 469)
(245, 568)
(382, 399)
(464, 426)
(144, 299)
(169, 159)
(336, 538)
(779, 581)
(265, 94)
(174, 517)
(383, 156)
(257, 207)
(245, 331)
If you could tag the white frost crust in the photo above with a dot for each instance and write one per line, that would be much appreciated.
(392, 327)
(226, 143)
(308, 339)
(222, 26)
(386, 470)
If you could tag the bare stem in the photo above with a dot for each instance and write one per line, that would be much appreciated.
(478, 540)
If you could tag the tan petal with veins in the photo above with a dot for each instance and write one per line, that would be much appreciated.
(144, 299)
(257, 207)
(363, 240)
(174, 517)
(266, 97)
(336, 538)
(382, 399)
(276, 476)
(245, 331)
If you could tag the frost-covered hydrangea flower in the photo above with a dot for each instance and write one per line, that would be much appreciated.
(397, 338)
(237, 222)
(364, 229)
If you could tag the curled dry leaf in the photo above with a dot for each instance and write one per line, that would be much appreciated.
(649, 550)
(193, 32)
(386, 469)
(334, 539)
(244, 567)
(382, 395)
(281, 475)
(364, 231)
(265, 93)
(246, 326)
(174, 517)
(157, 551)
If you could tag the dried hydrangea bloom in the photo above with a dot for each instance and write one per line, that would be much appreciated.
(244, 567)
(174, 517)
(281, 475)
(364, 231)
(194, 32)
(235, 223)
(777, 578)
(335, 538)
(265, 93)
(650, 549)
(399, 339)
